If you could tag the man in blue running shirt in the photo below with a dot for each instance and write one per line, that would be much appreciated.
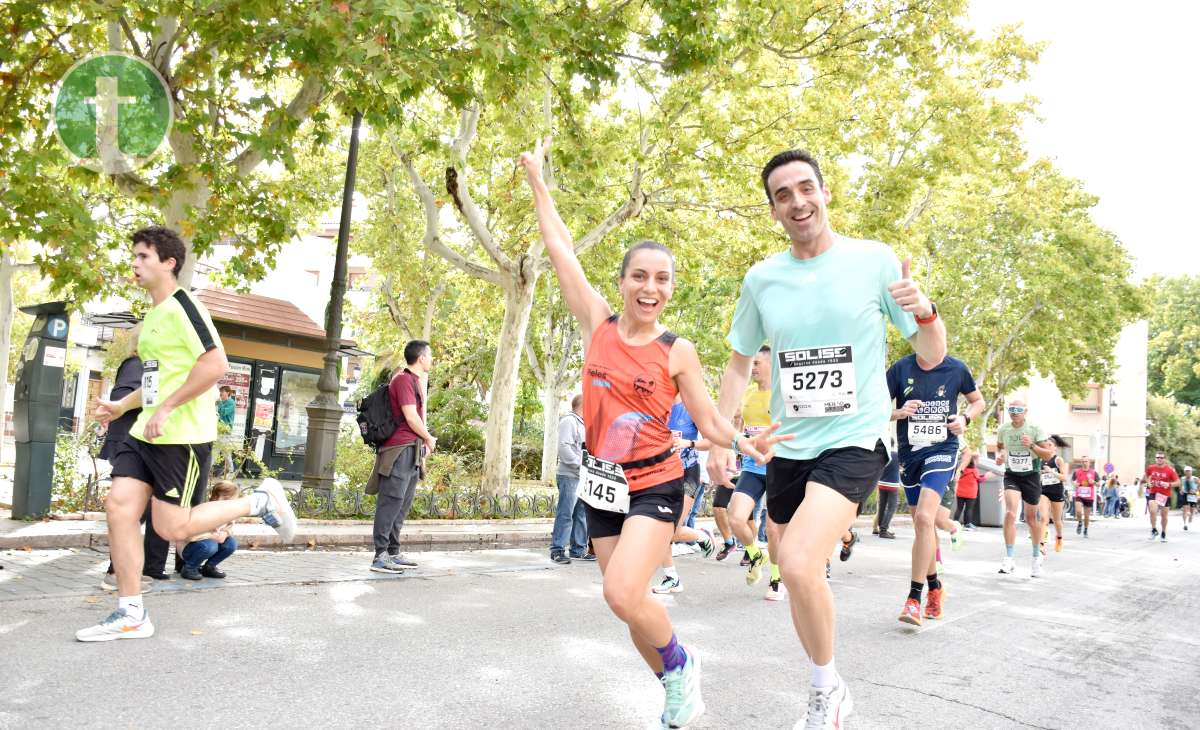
(928, 425)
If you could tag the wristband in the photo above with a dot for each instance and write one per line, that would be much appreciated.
(933, 315)
(734, 445)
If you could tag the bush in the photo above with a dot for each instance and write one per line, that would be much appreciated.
(354, 460)
(526, 459)
(452, 414)
(71, 489)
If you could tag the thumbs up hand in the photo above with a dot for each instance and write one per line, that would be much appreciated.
(908, 295)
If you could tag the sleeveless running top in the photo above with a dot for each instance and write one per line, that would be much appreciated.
(627, 397)
(1050, 466)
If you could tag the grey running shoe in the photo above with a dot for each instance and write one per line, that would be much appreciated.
(384, 564)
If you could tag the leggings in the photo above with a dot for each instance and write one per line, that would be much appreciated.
(963, 512)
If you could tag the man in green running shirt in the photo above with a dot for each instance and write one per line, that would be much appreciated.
(1020, 448)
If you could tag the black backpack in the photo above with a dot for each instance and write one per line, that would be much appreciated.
(376, 423)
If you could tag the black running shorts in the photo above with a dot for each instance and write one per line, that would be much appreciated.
(851, 471)
(722, 497)
(1054, 492)
(175, 472)
(1028, 483)
(662, 502)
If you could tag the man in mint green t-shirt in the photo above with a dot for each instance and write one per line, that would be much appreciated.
(1020, 448)
(166, 457)
(823, 305)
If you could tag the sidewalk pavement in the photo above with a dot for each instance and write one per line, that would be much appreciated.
(418, 535)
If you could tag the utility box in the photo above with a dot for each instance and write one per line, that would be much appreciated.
(37, 400)
(991, 505)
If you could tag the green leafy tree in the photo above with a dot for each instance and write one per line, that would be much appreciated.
(1174, 431)
(1174, 362)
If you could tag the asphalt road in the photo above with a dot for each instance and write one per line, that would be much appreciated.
(505, 639)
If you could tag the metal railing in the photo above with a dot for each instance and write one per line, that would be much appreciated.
(456, 504)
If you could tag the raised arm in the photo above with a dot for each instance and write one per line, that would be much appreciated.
(585, 302)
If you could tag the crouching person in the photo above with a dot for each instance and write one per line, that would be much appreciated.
(204, 552)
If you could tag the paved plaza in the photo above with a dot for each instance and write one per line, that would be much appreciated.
(504, 638)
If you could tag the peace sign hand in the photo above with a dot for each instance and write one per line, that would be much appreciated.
(761, 448)
(535, 160)
(908, 295)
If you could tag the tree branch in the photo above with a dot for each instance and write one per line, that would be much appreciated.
(456, 186)
(433, 239)
(129, 35)
(303, 104)
(1007, 342)
(534, 365)
(431, 309)
(389, 298)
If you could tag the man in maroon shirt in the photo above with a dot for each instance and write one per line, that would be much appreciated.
(398, 463)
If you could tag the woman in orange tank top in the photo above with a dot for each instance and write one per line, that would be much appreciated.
(632, 478)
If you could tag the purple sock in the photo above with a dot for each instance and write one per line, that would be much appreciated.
(672, 654)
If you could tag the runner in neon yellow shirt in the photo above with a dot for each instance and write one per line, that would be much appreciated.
(166, 458)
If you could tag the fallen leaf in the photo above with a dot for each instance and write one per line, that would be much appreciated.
(91, 599)
(196, 632)
(28, 548)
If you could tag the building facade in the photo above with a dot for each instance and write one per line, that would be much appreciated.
(1108, 424)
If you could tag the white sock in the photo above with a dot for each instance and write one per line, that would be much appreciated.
(133, 607)
(824, 676)
(260, 501)
(671, 572)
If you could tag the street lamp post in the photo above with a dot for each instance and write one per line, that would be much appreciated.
(325, 412)
(1108, 446)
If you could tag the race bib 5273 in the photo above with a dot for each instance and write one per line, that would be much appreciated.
(818, 381)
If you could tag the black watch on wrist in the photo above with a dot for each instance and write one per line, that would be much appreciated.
(967, 419)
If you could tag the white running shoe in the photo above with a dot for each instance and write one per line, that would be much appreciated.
(1008, 566)
(957, 536)
(669, 584)
(279, 514)
(827, 707)
(118, 625)
(1035, 570)
(776, 591)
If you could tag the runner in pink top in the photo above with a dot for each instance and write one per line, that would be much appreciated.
(1084, 479)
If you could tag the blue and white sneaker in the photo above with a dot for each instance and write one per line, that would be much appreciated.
(118, 625)
(278, 515)
(684, 703)
(385, 564)
(708, 546)
(669, 584)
